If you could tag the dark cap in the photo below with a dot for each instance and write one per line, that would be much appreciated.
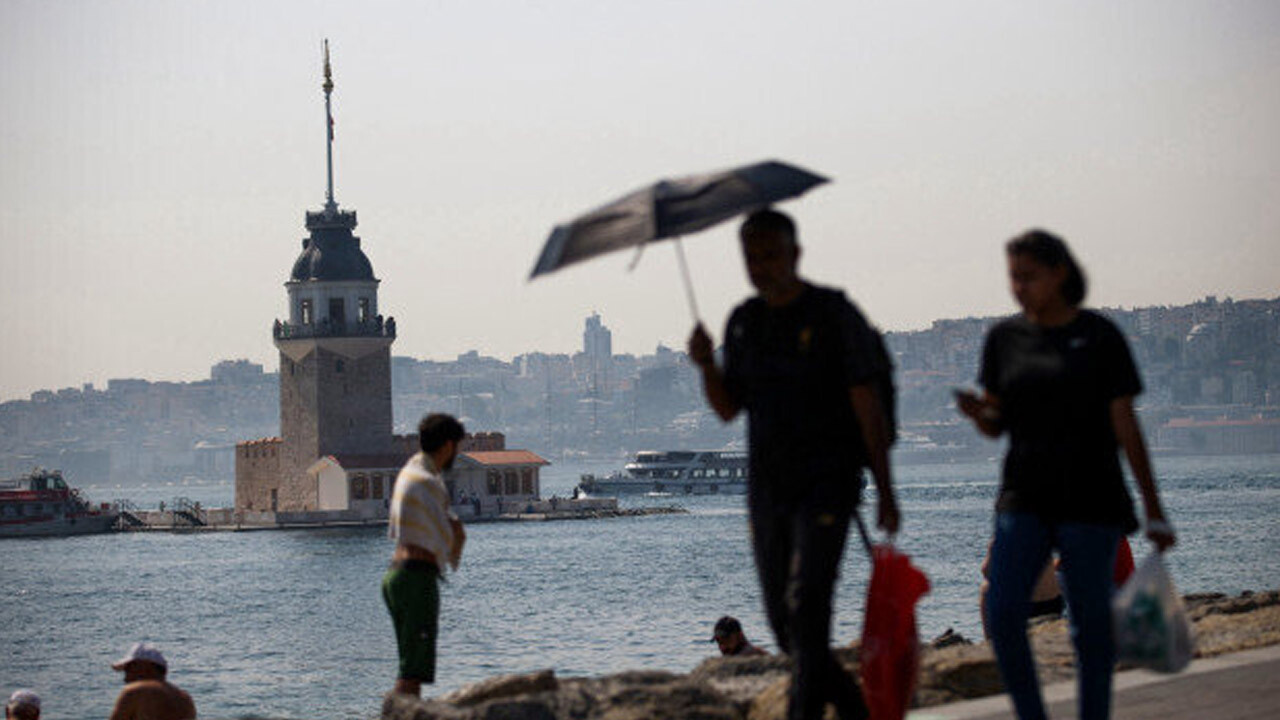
(725, 627)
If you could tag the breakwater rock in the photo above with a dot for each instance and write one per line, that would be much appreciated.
(951, 668)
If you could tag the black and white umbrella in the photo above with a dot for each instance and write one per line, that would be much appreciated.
(672, 209)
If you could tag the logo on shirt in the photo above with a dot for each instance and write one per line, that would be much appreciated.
(806, 336)
(1077, 342)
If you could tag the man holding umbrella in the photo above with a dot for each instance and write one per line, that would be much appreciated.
(802, 361)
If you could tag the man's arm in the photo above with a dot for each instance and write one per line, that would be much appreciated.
(703, 355)
(459, 539)
(875, 437)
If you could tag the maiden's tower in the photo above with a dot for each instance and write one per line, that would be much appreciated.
(336, 450)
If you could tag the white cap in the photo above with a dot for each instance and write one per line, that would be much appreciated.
(24, 698)
(141, 652)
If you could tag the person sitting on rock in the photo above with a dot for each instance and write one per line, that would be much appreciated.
(729, 636)
(1046, 597)
(146, 693)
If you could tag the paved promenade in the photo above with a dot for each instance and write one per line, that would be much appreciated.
(1238, 686)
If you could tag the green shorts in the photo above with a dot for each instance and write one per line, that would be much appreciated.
(412, 592)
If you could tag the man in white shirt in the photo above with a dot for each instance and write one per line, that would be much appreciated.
(427, 534)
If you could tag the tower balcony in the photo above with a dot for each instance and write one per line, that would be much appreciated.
(371, 328)
(330, 218)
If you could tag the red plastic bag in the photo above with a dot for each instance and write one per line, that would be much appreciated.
(890, 648)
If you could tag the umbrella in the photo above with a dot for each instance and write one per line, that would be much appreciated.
(670, 209)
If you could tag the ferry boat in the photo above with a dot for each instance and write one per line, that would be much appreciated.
(42, 504)
(677, 472)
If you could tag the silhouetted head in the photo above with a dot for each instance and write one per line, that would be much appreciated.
(23, 705)
(771, 251)
(728, 635)
(142, 662)
(438, 430)
(1047, 251)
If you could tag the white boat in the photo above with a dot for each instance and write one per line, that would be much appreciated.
(42, 504)
(675, 472)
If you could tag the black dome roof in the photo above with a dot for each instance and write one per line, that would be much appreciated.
(331, 253)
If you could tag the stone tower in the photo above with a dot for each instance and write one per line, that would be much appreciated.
(335, 348)
(335, 354)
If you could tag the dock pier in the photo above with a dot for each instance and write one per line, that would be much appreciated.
(185, 516)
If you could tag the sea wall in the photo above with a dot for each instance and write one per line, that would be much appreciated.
(951, 669)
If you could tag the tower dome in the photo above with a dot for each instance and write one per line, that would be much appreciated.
(331, 253)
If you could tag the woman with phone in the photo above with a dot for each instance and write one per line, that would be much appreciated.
(1060, 380)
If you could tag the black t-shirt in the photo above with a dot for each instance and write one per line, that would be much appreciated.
(791, 368)
(1055, 386)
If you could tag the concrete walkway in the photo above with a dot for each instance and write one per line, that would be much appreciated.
(1238, 686)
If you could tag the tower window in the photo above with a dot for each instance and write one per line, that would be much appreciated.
(364, 310)
(337, 313)
(306, 313)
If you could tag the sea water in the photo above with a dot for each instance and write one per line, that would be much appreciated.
(290, 624)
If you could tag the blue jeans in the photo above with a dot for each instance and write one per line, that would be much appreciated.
(1022, 545)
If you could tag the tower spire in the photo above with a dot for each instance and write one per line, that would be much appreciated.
(330, 204)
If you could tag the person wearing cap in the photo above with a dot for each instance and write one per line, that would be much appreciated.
(22, 705)
(427, 534)
(147, 694)
(732, 641)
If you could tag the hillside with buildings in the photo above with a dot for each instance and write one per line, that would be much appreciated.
(1212, 373)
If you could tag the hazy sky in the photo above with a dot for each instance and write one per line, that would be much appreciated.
(156, 159)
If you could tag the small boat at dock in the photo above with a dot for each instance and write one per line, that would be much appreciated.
(41, 504)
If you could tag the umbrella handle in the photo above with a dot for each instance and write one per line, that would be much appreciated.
(688, 283)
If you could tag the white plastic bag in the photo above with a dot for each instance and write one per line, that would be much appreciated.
(1150, 623)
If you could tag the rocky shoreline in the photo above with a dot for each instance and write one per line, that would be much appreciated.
(951, 668)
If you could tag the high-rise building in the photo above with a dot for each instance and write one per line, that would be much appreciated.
(597, 340)
(597, 346)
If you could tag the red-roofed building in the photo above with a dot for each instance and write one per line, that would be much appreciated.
(495, 481)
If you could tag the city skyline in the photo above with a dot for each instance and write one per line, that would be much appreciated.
(159, 159)
(595, 325)
(1210, 385)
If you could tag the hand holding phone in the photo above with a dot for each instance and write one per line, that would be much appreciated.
(969, 403)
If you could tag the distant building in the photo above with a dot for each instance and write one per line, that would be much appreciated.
(1220, 437)
(597, 356)
(236, 372)
(597, 340)
(127, 385)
